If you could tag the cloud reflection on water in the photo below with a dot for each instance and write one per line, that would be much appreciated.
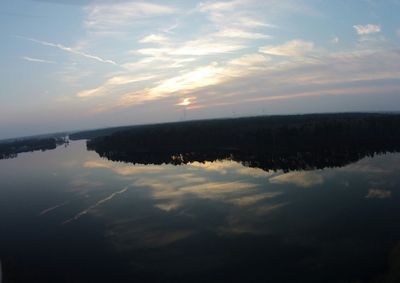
(378, 194)
(208, 216)
(100, 202)
(169, 204)
(301, 179)
(184, 194)
(47, 210)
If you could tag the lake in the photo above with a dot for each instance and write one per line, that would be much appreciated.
(68, 215)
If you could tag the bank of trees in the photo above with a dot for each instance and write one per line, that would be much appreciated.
(275, 142)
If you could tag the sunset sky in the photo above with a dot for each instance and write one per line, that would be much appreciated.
(76, 64)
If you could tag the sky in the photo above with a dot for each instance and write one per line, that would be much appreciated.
(81, 64)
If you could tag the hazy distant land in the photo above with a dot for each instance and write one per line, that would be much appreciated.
(11, 149)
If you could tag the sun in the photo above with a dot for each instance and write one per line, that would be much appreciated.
(185, 102)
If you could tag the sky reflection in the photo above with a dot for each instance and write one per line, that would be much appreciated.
(217, 220)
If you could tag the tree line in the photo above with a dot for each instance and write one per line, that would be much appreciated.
(270, 142)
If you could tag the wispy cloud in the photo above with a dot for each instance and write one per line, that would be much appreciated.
(235, 18)
(291, 48)
(220, 58)
(248, 22)
(154, 38)
(198, 47)
(111, 83)
(219, 84)
(199, 77)
(238, 33)
(202, 47)
(250, 60)
(108, 16)
(335, 40)
(244, 13)
(37, 60)
(217, 6)
(367, 29)
(69, 50)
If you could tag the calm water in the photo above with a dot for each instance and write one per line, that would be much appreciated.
(68, 215)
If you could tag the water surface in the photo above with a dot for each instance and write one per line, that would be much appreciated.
(68, 215)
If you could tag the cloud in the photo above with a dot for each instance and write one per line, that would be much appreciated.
(107, 16)
(301, 179)
(192, 79)
(293, 48)
(250, 60)
(367, 29)
(378, 194)
(203, 47)
(187, 101)
(218, 62)
(179, 85)
(217, 84)
(335, 40)
(111, 84)
(36, 60)
(248, 22)
(65, 2)
(235, 19)
(219, 6)
(238, 33)
(70, 50)
(246, 13)
(154, 38)
(198, 47)
(197, 78)
(361, 73)
(157, 61)
(298, 95)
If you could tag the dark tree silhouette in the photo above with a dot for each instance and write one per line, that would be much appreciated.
(298, 142)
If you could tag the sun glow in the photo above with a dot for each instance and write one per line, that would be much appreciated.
(185, 101)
